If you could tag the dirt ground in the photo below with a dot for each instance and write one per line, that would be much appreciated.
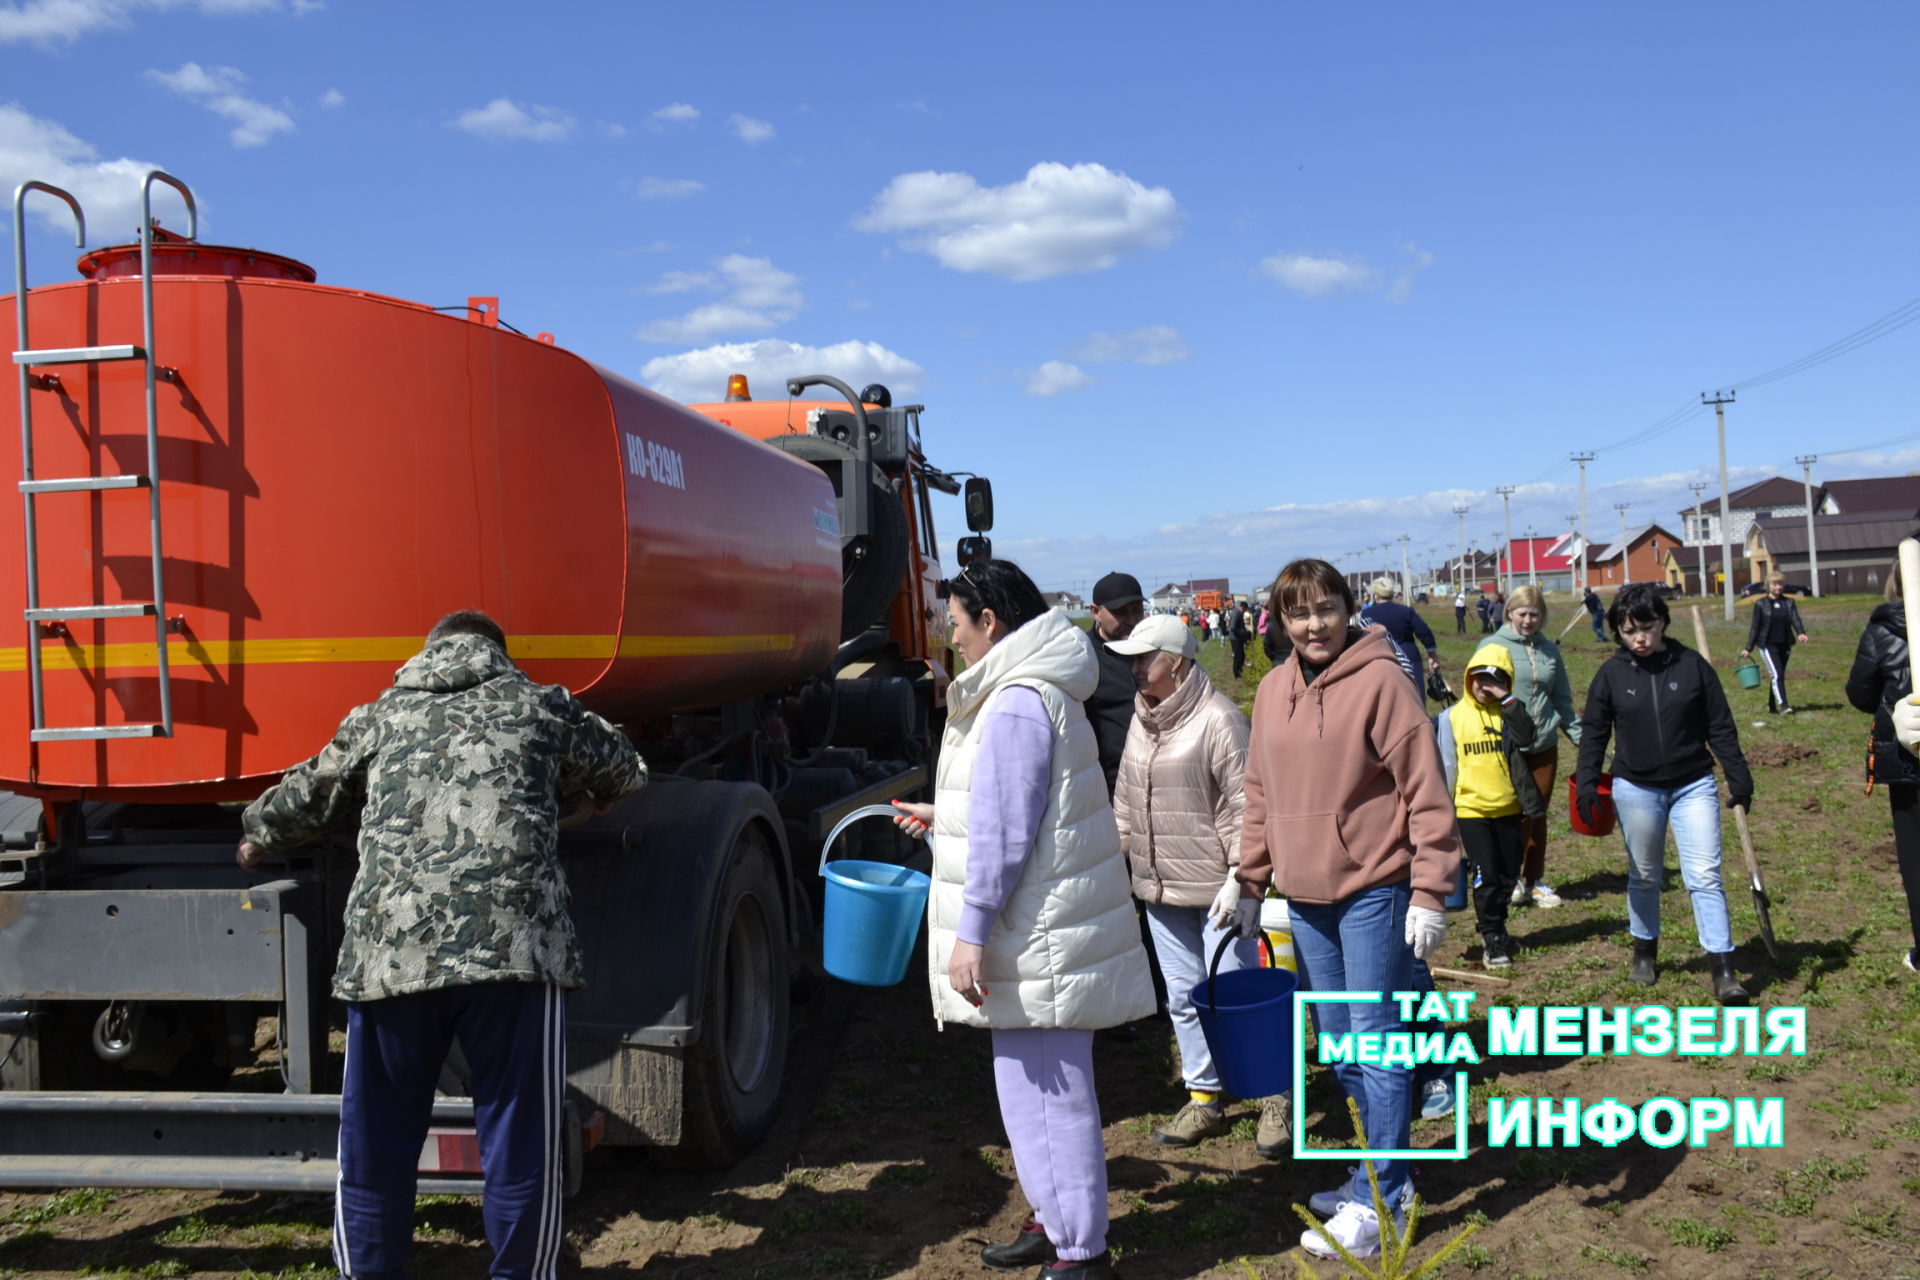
(888, 1159)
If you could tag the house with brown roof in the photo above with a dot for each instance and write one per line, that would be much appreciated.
(1640, 556)
(1887, 495)
(1857, 552)
(1774, 496)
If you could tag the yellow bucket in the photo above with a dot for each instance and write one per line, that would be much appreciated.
(1277, 924)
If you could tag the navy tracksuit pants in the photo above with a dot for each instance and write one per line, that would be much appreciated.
(513, 1034)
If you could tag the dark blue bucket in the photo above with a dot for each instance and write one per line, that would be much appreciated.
(873, 914)
(1462, 881)
(1247, 1017)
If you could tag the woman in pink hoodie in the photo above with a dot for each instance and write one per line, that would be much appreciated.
(1348, 814)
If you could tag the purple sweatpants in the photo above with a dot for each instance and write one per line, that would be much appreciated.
(1045, 1081)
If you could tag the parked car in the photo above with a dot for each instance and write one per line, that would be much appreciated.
(1665, 590)
(1759, 588)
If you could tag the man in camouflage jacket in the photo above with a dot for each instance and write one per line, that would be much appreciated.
(457, 924)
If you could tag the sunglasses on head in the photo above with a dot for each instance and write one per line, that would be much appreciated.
(944, 588)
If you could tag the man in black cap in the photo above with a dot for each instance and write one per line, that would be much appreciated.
(1117, 607)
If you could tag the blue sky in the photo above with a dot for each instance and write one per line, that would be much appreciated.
(1201, 288)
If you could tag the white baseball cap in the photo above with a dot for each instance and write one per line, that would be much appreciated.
(1163, 631)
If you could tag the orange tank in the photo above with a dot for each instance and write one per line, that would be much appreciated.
(336, 470)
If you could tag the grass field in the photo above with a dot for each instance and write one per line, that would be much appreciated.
(888, 1159)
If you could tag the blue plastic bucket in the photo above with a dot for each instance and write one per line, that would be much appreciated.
(1457, 900)
(872, 918)
(872, 913)
(1247, 1017)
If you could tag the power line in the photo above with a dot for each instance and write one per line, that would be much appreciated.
(1877, 444)
(1899, 318)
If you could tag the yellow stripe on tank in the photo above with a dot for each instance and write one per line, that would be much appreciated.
(394, 649)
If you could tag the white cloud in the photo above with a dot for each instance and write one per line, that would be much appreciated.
(332, 99)
(109, 190)
(1313, 277)
(506, 120)
(1058, 219)
(218, 89)
(664, 188)
(193, 80)
(756, 296)
(676, 113)
(699, 376)
(1157, 344)
(51, 22)
(1056, 378)
(683, 281)
(747, 129)
(1403, 283)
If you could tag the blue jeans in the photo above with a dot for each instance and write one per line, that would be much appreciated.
(1184, 941)
(1693, 811)
(1360, 945)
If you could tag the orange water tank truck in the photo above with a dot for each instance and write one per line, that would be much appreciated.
(244, 496)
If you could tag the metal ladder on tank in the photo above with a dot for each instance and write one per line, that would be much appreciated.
(32, 488)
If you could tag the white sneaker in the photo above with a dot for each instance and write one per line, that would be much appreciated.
(1355, 1226)
(1544, 896)
(1520, 898)
(1326, 1204)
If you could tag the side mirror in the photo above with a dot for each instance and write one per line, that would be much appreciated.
(979, 500)
(973, 550)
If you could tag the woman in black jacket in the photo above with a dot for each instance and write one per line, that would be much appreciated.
(1662, 705)
(1880, 679)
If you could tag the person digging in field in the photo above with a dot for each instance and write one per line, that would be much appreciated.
(1775, 629)
(1347, 814)
(1881, 683)
(1539, 681)
(1665, 703)
(1494, 794)
(1178, 806)
(1030, 926)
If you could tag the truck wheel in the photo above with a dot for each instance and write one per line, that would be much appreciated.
(733, 1075)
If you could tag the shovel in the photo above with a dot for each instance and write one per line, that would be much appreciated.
(1761, 906)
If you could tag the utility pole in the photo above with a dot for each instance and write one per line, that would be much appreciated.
(1533, 562)
(1620, 508)
(1406, 572)
(1461, 513)
(1813, 552)
(1583, 459)
(1573, 525)
(1700, 532)
(1506, 501)
(1720, 400)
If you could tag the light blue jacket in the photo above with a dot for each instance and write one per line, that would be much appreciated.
(1540, 681)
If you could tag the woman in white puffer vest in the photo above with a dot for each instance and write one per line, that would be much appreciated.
(1031, 929)
(1178, 803)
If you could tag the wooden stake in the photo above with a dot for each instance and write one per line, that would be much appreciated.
(1700, 634)
(1467, 975)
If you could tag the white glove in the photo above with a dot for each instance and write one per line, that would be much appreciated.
(1226, 903)
(1906, 722)
(1233, 913)
(1425, 928)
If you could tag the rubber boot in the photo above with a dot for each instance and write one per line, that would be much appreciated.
(1028, 1249)
(1726, 984)
(1645, 950)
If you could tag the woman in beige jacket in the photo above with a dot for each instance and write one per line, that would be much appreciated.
(1178, 803)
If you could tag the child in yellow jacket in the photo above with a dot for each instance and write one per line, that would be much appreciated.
(1480, 740)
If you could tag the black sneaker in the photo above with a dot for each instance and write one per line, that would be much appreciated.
(1497, 950)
